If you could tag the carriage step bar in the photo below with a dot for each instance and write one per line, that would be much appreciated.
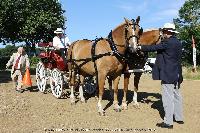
(136, 71)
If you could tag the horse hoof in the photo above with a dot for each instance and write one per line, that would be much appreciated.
(136, 105)
(118, 110)
(102, 113)
(83, 101)
(124, 108)
(96, 97)
(73, 102)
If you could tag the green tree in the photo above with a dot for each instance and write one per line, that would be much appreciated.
(188, 24)
(8, 50)
(29, 21)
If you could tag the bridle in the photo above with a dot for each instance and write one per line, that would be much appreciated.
(132, 36)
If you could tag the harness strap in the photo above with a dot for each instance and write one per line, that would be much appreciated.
(114, 48)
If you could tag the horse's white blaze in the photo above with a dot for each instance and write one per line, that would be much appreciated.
(134, 40)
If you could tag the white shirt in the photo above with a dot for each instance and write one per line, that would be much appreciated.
(61, 42)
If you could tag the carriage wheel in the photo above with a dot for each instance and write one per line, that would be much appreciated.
(56, 83)
(41, 77)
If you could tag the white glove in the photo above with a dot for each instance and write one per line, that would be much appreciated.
(138, 47)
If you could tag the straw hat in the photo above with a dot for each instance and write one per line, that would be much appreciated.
(59, 31)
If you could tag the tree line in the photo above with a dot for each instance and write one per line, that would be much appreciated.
(31, 21)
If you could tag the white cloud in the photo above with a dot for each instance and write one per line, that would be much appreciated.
(125, 7)
(131, 7)
(167, 13)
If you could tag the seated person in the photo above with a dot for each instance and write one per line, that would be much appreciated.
(61, 42)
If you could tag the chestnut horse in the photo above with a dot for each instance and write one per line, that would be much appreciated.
(101, 58)
(137, 61)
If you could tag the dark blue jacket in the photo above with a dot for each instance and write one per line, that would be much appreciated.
(168, 60)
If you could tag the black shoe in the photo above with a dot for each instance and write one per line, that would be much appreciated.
(164, 125)
(180, 122)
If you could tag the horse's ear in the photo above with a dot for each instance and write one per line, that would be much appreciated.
(141, 31)
(138, 20)
(126, 20)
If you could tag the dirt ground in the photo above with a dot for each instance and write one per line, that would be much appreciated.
(36, 112)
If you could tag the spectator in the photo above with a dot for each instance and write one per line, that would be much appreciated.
(19, 62)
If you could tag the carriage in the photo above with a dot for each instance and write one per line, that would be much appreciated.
(52, 68)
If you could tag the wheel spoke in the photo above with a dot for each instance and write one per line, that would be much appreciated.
(56, 83)
(40, 77)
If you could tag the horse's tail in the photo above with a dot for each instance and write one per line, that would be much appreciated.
(70, 63)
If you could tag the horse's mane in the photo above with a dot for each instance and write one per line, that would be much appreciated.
(122, 24)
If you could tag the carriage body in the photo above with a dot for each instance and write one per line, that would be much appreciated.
(51, 58)
(52, 67)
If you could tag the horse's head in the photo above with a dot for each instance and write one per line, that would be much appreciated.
(126, 35)
(132, 33)
(151, 37)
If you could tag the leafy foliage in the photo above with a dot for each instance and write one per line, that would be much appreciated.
(8, 50)
(29, 20)
(188, 24)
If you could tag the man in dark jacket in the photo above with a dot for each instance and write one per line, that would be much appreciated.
(168, 69)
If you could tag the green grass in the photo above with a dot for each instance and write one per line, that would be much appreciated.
(190, 75)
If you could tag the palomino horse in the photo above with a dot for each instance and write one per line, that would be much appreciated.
(137, 61)
(101, 58)
(152, 37)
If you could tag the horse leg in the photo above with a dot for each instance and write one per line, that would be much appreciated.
(110, 86)
(71, 84)
(101, 82)
(117, 108)
(126, 83)
(81, 97)
(136, 82)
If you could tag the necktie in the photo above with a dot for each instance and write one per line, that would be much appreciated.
(62, 43)
(17, 62)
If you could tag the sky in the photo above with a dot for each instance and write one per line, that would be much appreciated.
(88, 19)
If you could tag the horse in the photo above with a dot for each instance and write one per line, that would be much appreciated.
(137, 61)
(101, 58)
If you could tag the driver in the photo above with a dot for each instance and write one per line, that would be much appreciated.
(61, 42)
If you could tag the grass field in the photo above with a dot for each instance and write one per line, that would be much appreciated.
(189, 74)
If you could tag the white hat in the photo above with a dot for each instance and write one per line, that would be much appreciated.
(59, 31)
(170, 27)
